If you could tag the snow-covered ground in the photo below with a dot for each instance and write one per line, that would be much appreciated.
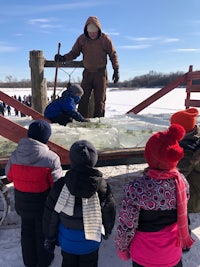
(118, 102)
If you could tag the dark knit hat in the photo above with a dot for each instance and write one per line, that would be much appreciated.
(82, 153)
(75, 89)
(186, 118)
(162, 150)
(39, 130)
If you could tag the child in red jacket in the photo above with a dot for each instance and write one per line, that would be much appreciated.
(33, 169)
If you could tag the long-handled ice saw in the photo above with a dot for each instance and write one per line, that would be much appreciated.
(56, 73)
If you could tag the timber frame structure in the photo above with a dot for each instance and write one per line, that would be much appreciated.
(14, 132)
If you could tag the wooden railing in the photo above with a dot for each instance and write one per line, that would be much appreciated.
(187, 79)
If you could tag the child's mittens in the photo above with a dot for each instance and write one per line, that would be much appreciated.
(86, 120)
(124, 255)
(49, 245)
(106, 236)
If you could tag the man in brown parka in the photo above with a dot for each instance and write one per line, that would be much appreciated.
(95, 46)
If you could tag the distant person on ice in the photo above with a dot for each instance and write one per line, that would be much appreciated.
(2, 109)
(80, 209)
(63, 109)
(33, 169)
(8, 110)
(153, 221)
(189, 165)
(95, 47)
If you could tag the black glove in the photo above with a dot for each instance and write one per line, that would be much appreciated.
(49, 245)
(59, 58)
(86, 120)
(115, 76)
(106, 236)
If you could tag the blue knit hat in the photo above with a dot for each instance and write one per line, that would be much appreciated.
(39, 130)
(83, 153)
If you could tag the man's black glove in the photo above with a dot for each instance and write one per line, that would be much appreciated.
(49, 245)
(115, 76)
(59, 58)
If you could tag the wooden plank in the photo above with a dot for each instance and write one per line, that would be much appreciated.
(15, 132)
(21, 107)
(68, 64)
(105, 158)
(166, 89)
(125, 156)
(192, 103)
(193, 88)
(118, 153)
(11, 130)
(193, 75)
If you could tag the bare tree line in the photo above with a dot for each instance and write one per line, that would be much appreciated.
(151, 79)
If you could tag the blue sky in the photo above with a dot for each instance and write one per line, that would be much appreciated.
(158, 35)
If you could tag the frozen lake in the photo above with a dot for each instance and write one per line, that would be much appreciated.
(120, 101)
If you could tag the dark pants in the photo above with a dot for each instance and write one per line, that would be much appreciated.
(138, 265)
(96, 82)
(62, 119)
(87, 260)
(32, 243)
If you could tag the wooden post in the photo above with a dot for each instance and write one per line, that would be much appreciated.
(38, 89)
(37, 64)
(189, 84)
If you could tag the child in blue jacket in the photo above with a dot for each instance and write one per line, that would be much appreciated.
(63, 110)
(80, 209)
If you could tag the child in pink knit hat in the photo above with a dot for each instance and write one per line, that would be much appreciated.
(153, 222)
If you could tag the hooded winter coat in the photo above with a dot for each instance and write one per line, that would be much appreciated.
(95, 78)
(33, 168)
(82, 183)
(64, 107)
(94, 51)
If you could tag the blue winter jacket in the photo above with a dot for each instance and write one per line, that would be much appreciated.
(61, 105)
(74, 241)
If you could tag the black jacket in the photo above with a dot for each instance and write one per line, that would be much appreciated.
(82, 183)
